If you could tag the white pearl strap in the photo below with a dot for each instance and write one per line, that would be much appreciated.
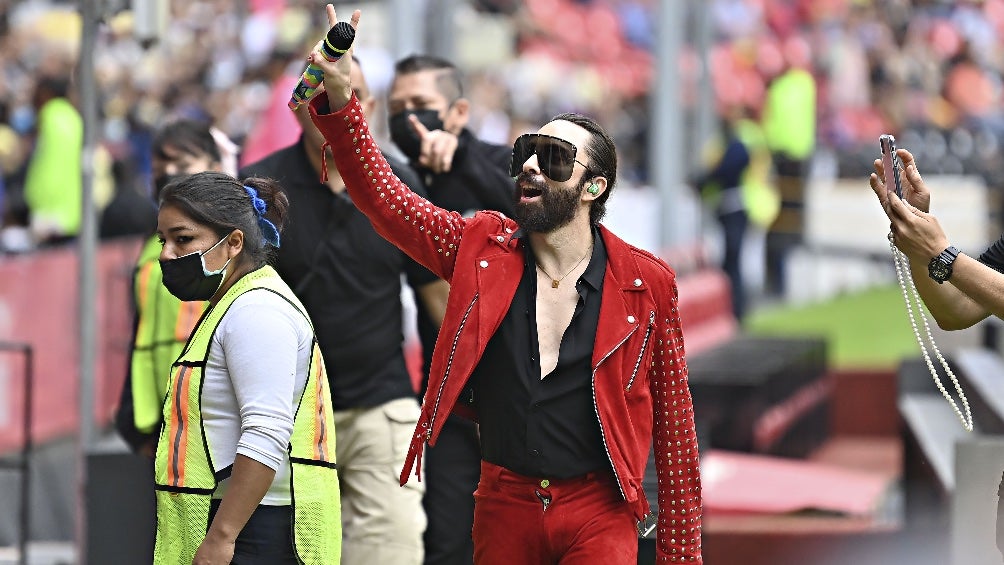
(905, 278)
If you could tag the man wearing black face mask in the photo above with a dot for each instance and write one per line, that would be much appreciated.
(428, 123)
(163, 322)
(428, 118)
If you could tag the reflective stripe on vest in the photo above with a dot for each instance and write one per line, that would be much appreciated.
(184, 471)
(163, 326)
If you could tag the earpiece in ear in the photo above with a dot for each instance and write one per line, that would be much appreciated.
(593, 189)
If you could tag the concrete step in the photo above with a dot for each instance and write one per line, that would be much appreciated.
(41, 553)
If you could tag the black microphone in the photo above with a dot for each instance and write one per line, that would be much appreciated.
(336, 43)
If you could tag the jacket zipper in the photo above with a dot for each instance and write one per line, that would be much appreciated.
(449, 365)
(596, 408)
(644, 345)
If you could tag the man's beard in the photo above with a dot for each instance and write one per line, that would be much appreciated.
(556, 207)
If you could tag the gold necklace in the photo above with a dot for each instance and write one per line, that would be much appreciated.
(554, 281)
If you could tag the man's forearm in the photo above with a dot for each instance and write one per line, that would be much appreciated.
(434, 296)
(428, 234)
(953, 305)
(981, 287)
(675, 442)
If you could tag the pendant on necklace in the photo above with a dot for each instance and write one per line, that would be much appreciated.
(554, 283)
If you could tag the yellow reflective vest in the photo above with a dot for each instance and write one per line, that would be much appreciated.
(789, 114)
(761, 198)
(162, 328)
(184, 475)
(52, 184)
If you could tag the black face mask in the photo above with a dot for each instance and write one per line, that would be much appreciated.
(403, 134)
(187, 278)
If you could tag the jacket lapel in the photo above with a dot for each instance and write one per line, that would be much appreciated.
(617, 319)
(499, 271)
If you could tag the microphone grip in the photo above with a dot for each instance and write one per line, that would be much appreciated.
(335, 45)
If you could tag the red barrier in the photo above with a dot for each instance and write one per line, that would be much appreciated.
(705, 309)
(39, 306)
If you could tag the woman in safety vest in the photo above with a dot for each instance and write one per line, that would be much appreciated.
(245, 465)
(162, 323)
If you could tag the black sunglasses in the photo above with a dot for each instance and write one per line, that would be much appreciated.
(555, 156)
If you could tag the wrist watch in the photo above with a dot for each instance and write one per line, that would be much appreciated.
(940, 268)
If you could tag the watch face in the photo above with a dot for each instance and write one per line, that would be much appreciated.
(939, 271)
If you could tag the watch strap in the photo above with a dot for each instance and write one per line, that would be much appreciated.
(949, 255)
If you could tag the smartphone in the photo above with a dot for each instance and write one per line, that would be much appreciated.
(891, 164)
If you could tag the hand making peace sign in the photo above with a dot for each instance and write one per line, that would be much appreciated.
(337, 81)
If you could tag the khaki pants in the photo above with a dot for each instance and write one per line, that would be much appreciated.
(382, 522)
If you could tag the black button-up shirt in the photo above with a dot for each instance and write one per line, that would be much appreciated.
(478, 180)
(993, 257)
(542, 427)
(348, 278)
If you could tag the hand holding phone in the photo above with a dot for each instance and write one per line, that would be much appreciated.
(891, 164)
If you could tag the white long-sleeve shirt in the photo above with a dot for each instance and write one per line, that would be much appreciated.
(257, 368)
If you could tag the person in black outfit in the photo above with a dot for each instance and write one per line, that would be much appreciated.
(131, 211)
(721, 185)
(428, 119)
(349, 280)
(959, 290)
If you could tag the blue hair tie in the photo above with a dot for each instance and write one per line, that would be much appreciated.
(270, 234)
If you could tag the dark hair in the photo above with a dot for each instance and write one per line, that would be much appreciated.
(189, 136)
(602, 159)
(448, 80)
(219, 201)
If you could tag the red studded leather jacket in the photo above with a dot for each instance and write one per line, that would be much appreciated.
(640, 389)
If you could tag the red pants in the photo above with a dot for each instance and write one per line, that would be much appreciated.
(520, 520)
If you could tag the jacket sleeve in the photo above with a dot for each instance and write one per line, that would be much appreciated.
(427, 233)
(675, 437)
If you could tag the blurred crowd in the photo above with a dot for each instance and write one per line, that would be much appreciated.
(928, 71)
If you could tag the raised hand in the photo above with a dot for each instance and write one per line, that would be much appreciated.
(438, 147)
(915, 192)
(916, 233)
(337, 82)
(914, 230)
